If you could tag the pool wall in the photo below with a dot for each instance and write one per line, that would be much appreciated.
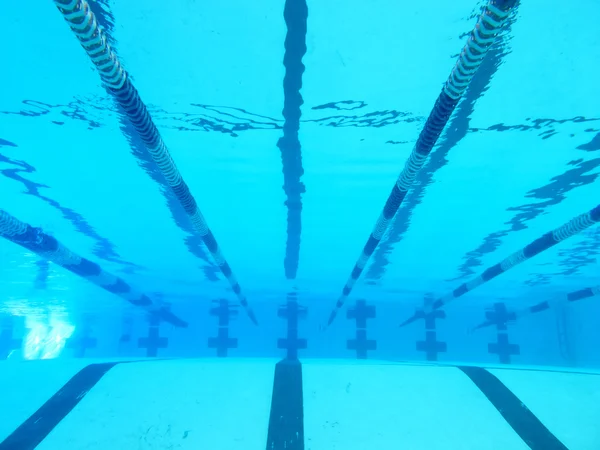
(562, 336)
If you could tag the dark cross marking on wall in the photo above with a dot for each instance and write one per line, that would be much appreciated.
(7, 342)
(127, 329)
(153, 342)
(431, 346)
(361, 344)
(223, 342)
(503, 348)
(82, 340)
(500, 316)
(430, 318)
(41, 278)
(81, 344)
(292, 312)
(224, 312)
(564, 344)
(360, 313)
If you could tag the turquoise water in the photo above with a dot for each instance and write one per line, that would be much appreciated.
(290, 130)
(299, 225)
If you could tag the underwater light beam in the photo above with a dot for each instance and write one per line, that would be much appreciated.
(482, 37)
(47, 247)
(84, 25)
(541, 244)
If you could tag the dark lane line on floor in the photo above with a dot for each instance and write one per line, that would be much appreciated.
(35, 429)
(533, 432)
(286, 422)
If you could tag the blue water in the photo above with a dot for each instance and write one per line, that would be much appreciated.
(290, 123)
(299, 225)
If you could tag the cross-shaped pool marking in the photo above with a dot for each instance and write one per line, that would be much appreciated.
(361, 344)
(431, 346)
(430, 318)
(361, 312)
(292, 312)
(498, 316)
(81, 344)
(127, 326)
(153, 342)
(503, 348)
(222, 342)
(7, 343)
(42, 275)
(292, 344)
(224, 312)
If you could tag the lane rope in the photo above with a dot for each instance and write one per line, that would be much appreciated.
(83, 23)
(47, 247)
(543, 243)
(482, 37)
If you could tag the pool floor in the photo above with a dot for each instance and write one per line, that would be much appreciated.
(269, 404)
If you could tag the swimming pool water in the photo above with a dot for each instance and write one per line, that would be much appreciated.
(301, 180)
